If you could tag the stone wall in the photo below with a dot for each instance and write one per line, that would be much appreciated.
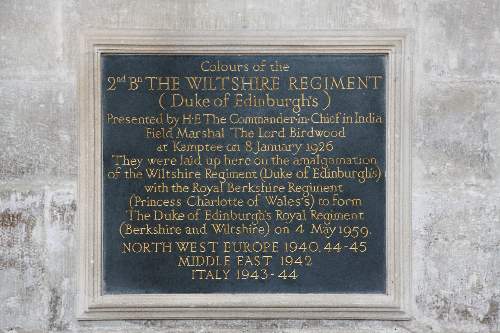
(456, 152)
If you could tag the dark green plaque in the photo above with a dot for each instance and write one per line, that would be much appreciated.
(244, 173)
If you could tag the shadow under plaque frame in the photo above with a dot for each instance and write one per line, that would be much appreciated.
(394, 304)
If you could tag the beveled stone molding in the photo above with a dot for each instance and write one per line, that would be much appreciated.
(395, 304)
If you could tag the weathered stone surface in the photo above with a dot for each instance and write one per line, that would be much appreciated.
(38, 130)
(456, 152)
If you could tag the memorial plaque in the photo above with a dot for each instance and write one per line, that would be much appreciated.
(258, 176)
(243, 173)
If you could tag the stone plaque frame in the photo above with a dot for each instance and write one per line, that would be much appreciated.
(395, 304)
